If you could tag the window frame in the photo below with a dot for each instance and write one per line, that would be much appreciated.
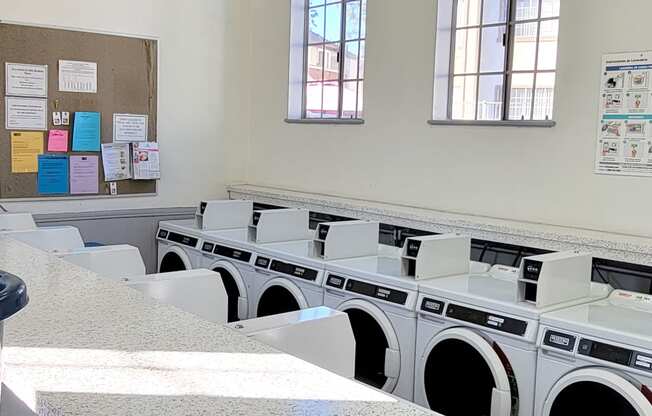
(449, 36)
(341, 65)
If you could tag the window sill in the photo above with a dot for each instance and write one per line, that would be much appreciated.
(356, 121)
(496, 123)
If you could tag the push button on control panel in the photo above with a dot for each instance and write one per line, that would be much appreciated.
(432, 306)
(262, 262)
(559, 340)
(162, 234)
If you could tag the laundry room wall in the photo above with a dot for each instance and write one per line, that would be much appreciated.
(196, 155)
(542, 175)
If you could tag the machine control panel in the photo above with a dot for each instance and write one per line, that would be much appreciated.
(432, 306)
(262, 262)
(615, 354)
(294, 270)
(487, 320)
(559, 340)
(232, 253)
(183, 239)
(163, 234)
(367, 289)
(413, 248)
(208, 247)
(323, 231)
(335, 281)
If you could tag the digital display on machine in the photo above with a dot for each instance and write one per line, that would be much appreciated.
(183, 239)
(335, 281)
(413, 247)
(208, 247)
(605, 352)
(532, 269)
(432, 306)
(256, 218)
(378, 292)
(262, 262)
(294, 270)
(162, 234)
(202, 207)
(323, 232)
(232, 253)
(487, 320)
(558, 340)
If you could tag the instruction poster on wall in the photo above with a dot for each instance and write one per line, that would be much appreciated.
(625, 124)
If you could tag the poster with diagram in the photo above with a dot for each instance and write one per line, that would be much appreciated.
(625, 125)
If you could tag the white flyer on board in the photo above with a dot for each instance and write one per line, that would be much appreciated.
(146, 161)
(130, 128)
(624, 142)
(26, 80)
(26, 113)
(116, 161)
(77, 76)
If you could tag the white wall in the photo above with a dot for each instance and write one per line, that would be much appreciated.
(192, 37)
(534, 174)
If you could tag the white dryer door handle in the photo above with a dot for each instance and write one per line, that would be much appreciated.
(243, 305)
(501, 402)
(392, 363)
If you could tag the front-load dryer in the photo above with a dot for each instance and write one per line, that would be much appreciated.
(476, 340)
(596, 359)
(232, 253)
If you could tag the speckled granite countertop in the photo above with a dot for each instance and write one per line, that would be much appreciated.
(617, 247)
(88, 346)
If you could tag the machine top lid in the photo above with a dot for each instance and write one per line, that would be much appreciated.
(300, 251)
(381, 269)
(235, 236)
(497, 293)
(266, 323)
(624, 317)
(187, 227)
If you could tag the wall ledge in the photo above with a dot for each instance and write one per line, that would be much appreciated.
(611, 246)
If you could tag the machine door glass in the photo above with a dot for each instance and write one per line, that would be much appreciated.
(465, 374)
(277, 298)
(598, 392)
(232, 293)
(173, 262)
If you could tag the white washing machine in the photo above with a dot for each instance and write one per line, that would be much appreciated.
(198, 291)
(48, 238)
(179, 241)
(232, 253)
(596, 359)
(321, 336)
(290, 275)
(476, 335)
(112, 262)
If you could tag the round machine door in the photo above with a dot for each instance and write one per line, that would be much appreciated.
(599, 392)
(236, 290)
(174, 260)
(465, 374)
(377, 352)
(279, 296)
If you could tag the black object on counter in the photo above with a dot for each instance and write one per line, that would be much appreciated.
(13, 295)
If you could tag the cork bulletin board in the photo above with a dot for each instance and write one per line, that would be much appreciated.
(127, 74)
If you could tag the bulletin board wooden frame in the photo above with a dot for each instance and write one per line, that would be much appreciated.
(127, 83)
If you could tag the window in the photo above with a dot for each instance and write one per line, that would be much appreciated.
(333, 47)
(501, 60)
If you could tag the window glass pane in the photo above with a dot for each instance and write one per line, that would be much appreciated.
(351, 60)
(313, 100)
(494, 11)
(548, 44)
(544, 96)
(466, 51)
(464, 90)
(316, 2)
(525, 46)
(468, 12)
(331, 61)
(362, 58)
(349, 94)
(526, 9)
(520, 96)
(490, 97)
(363, 24)
(316, 25)
(360, 99)
(333, 22)
(550, 8)
(352, 20)
(493, 51)
(315, 63)
(331, 100)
